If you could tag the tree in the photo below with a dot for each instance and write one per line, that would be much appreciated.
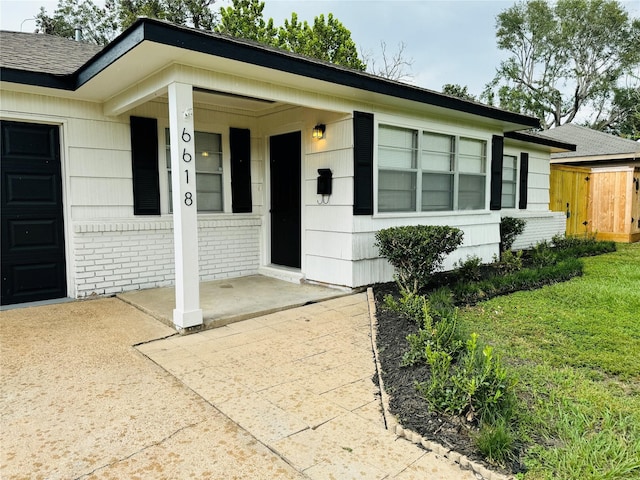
(194, 13)
(101, 25)
(624, 115)
(98, 25)
(327, 39)
(394, 67)
(244, 19)
(458, 91)
(566, 58)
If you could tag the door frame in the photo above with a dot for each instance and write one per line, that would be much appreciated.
(266, 216)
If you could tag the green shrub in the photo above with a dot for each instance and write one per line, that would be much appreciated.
(416, 251)
(411, 305)
(580, 246)
(509, 262)
(440, 334)
(476, 386)
(524, 279)
(542, 255)
(469, 269)
(510, 228)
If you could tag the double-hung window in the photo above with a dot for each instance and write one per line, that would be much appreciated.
(509, 179)
(425, 171)
(208, 147)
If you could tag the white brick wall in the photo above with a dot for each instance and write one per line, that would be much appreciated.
(112, 257)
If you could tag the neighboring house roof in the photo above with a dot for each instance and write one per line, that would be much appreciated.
(68, 65)
(592, 145)
(44, 53)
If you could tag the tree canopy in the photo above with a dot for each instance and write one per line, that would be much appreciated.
(566, 58)
(326, 39)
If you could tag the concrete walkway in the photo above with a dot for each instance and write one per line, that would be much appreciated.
(284, 395)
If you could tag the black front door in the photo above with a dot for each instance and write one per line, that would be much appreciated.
(285, 199)
(33, 258)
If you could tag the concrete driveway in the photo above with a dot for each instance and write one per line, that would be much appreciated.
(285, 395)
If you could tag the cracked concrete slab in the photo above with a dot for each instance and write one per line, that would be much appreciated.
(78, 401)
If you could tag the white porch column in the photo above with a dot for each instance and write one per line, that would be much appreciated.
(185, 212)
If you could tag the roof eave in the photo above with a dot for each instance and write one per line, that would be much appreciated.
(157, 31)
(539, 140)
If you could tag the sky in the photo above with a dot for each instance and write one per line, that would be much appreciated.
(449, 41)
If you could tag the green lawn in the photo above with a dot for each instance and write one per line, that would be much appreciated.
(575, 347)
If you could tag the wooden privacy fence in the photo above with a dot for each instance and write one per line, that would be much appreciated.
(604, 201)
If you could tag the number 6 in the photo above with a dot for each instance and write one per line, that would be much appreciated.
(186, 136)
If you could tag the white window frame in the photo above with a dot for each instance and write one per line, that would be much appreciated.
(418, 170)
(221, 173)
(513, 182)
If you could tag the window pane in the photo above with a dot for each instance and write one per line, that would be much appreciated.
(437, 152)
(439, 162)
(509, 164)
(471, 192)
(435, 142)
(209, 163)
(472, 156)
(472, 147)
(209, 192)
(396, 137)
(396, 191)
(395, 158)
(397, 147)
(437, 192)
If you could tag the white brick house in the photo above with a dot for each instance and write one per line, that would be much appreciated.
(91, 139)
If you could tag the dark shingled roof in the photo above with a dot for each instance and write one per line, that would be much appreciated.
(44, 53)
(591, 142)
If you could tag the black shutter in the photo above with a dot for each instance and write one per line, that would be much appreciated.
(524, 180)
(362, 163)
(497, 144)
(240, 149)
(144, 161)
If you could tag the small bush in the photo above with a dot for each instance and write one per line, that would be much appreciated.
(417, 251)
(411, 305)
(510, 228)
(542, 255)
(477, 385)
(509, 262)
(469, 269)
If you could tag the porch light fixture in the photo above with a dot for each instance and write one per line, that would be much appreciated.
(318, 131)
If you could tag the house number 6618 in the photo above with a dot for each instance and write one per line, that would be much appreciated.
(186, 157)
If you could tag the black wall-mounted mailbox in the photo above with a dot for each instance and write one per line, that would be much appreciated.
(324, 181)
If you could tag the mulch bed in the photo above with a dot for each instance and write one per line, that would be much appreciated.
(406, 404)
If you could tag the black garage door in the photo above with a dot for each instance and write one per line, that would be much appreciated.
(33, 261)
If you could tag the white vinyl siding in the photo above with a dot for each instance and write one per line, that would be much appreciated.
(450, 174)
(208, 160)
(509, 179)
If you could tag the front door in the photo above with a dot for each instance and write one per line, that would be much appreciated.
(33, 257)
(285, 199)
